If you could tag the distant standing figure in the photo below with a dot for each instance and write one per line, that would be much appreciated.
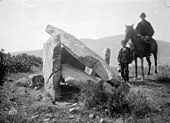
(144, 28)
(124, 59)
(106, 55)
(2, 66)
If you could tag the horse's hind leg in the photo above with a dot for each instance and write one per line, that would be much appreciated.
(142, 68)
(155, 57)
(136, 69)
(149, 64)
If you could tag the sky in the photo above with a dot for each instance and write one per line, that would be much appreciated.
(23, 22)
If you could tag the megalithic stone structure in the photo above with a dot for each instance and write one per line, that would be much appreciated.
(52, 60)
(83, 54)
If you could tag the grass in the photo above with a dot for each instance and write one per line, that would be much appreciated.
(164, 74)
(133, 108)
(113, 105)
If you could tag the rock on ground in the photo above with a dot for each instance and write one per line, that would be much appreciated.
(37, 80)
(77, 77)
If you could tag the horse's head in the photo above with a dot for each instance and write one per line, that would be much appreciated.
(129, 32)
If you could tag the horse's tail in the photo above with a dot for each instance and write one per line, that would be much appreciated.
(154, 49)
(154, 46)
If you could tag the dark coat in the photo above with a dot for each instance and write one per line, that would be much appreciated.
(145, 28)
(125, 55)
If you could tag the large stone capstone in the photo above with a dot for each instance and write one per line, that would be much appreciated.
(82, 53)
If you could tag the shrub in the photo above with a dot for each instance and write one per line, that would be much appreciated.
(18, 63)
(139, 105)
(112, 105)
(164, 74)
(92, 94)
(95, 98)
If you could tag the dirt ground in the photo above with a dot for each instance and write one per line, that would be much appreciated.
(19, 104)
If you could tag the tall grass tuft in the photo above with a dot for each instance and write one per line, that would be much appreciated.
(163, 74)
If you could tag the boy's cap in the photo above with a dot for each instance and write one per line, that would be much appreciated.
(123, 42)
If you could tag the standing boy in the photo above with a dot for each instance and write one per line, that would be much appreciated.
(124, 59)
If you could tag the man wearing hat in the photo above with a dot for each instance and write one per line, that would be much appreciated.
(144, 28)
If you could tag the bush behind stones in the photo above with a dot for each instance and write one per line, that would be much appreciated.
(112, 105)
(94, 97)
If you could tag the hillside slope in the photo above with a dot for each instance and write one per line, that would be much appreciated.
(113, 42)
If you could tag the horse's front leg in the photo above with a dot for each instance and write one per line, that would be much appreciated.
(149, 64)
(136, 68)
(142, 68)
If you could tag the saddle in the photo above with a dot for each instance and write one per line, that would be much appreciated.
(146, 41)
(147, 46)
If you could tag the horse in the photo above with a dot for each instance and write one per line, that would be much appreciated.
(140, 49)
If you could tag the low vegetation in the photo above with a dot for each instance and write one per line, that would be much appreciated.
(112, 105)
(93, 102)
(20, 63)
(164, 74)
(94, 97)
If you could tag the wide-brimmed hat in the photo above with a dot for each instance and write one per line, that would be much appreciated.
(142, 14)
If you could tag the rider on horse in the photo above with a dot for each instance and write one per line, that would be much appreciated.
(145, 30)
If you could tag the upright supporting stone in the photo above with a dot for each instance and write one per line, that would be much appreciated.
(106, 55)
(51, 66)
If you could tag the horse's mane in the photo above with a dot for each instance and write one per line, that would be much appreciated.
(135, 34)
(134, 30)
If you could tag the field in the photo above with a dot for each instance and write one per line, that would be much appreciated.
(149, 102)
